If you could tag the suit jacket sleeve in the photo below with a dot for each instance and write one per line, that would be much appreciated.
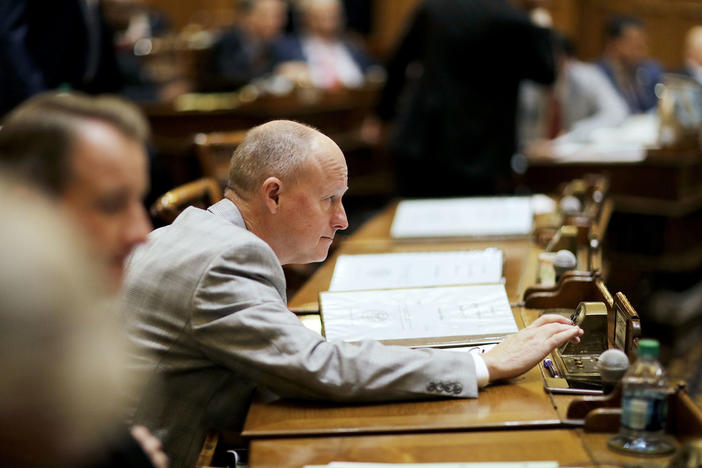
(408, 50)
(241, 322)
(20, 75)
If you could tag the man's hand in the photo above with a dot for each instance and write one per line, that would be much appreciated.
(151, 446)
(520, 352)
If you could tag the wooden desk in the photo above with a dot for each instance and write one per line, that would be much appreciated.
(564, 446)
(569, 447)
(522, 403)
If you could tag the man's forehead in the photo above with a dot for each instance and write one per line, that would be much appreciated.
(326, 155)
(101, 148)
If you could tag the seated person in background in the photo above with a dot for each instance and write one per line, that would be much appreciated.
(245, 51)
(87, 154)
(581, 100)
(134, 24)
(693, 54)
(625, 62)
(207, 312)
(321, 54)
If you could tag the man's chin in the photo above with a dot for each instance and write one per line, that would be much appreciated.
(115, 277)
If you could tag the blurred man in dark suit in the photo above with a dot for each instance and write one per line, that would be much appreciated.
(455, 131)
(244, 52)
(46, 45)
(625, 62)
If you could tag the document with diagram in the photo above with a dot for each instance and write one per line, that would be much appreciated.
(434, 316)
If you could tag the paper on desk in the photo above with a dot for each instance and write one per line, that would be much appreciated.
(463, 217)
(416, 269)
(402, 314)
(535, 464)
(625, 143)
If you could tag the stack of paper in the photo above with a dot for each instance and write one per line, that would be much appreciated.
(416, 269)
(463, 217)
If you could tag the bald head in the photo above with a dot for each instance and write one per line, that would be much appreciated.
(280, 148)
(287, 179)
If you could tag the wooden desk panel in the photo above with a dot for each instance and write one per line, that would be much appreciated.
(596, 445)
(522, 403)
(561, 445)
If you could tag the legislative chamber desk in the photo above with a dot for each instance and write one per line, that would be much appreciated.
(511, 421)
(656, 225)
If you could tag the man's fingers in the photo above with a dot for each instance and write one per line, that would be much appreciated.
(549, 318)
(564, 336)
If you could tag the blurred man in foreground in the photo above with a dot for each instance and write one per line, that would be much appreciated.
(60, 351)
(208, 316)
(87, 154)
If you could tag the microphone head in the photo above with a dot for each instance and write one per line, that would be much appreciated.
(565, 259)
(570, 205)
(612, 365)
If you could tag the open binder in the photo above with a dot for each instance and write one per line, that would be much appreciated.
(442, 316)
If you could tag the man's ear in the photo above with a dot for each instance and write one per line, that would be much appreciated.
(271, 189)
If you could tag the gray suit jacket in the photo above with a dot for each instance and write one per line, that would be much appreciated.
(208, 320)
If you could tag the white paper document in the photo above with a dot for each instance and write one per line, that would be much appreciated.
(463, 217)
(480, 310)
(416, 269)
(535, 464)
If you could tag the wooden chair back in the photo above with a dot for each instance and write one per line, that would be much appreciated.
(201, 193)
(214, 150)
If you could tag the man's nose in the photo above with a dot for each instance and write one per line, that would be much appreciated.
(339, 221)
(138, 227)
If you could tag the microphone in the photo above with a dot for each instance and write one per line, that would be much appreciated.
(564, 261)
(612, 365)
(570, 205)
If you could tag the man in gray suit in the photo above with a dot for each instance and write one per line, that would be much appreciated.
(207, 310)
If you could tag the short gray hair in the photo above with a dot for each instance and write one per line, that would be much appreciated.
(279, 148)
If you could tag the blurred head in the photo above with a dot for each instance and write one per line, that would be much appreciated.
(693, 45)
(61, 356)
(264, 19)
(626, 40)
(88, 154)
(290, 179)
(322, 18)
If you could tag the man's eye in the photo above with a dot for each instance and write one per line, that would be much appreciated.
(111, 205)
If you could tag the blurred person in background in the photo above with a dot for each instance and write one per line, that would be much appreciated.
(245, 52)
(452, 91)
(136, 24)
(61, 353)
(47, 45)
(693, 54)
(322, 53)
(626, 63)
(581, 101)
